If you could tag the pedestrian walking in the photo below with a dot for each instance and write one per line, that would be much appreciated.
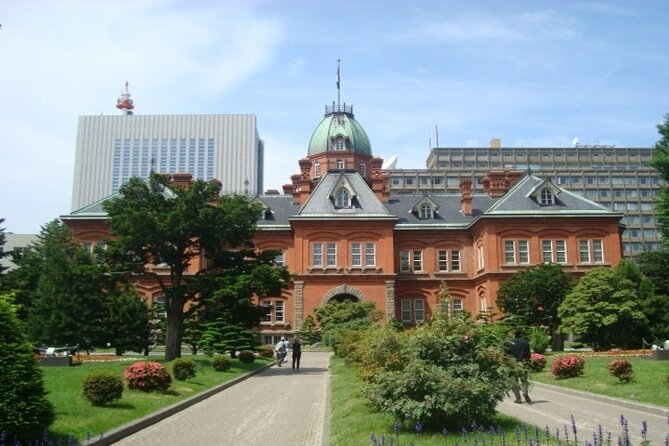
(519, 348)
(297, 353)
(281, 351)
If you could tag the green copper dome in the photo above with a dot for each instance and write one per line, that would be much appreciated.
(339, 131)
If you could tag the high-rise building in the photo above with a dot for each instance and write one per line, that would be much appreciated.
(112, 149)
(620, 178)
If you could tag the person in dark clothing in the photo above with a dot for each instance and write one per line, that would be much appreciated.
(297, 353)
(519, 348)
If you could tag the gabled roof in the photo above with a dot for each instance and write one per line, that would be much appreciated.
(520, 200)
(365, 205)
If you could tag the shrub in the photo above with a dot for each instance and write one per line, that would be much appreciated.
(444, 373)
(147, 376)
(102, 388)
(537, 362)
(539, 340)
(567, 366)
(221, 362)
(266, 351)
(183, 369)
(247, 356)
(25, 411)
(621, 369)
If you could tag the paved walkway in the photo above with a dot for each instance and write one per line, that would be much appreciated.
(553, 406)
(282, 407)
(278, 407)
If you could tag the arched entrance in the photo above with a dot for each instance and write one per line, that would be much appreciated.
(342, 293)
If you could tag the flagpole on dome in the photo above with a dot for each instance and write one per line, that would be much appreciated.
(338, 91)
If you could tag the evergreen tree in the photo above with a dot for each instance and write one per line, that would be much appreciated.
(69, 301)
(128, 322)
(25, 412)
(308, 331)
(654, 265)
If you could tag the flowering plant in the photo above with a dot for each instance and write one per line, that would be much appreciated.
(621, 369)
(568, 366)
(537, 362)
(147, 376)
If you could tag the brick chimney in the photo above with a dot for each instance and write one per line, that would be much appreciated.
(466, 196)
(498, 182)
(182, 179)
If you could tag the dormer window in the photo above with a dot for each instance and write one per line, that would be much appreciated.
(546, 197)
(426, 212)
(425, 209)
(343, 198)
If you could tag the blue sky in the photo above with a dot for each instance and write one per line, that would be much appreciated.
(533, 73)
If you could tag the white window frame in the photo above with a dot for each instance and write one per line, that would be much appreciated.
(331, 251)
(280, 259)
(317, 170)
(591, 251)
(547, 197)
(448, 260)
(457, 305)
(279, 311)
(317, 254)
(266, 303)
(516, 252)
(426, 212)
(343, 198)
(412, 311)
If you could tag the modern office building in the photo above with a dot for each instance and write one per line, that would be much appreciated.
(620, 178)
(112, 149)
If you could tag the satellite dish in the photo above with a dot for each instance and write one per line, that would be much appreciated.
(575, 142)
(390, 164)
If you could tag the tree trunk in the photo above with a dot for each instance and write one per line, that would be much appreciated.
(175, 328)
(557, 341)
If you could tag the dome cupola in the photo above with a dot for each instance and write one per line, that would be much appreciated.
(339, 132)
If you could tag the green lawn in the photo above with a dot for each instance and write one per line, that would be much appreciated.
(650, 383)
(75, 416)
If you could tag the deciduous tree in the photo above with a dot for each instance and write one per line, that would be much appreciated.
(661, 162)
(155, 222)
(533, 297)
(604, 308)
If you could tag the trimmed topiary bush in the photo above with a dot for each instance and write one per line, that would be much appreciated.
(568, 366)
(102, 388)
(537, 362)
(266, 351)
(221, 362)
(621, 369)
(25, 411)
(147, 376)
(247, 356)
(183, 369)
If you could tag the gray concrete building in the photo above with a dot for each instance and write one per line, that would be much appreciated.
(619, 178)
(15, 244)
(112, 149)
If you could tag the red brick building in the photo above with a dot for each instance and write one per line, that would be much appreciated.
(344, 236)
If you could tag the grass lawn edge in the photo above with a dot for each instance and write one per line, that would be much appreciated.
(116, 434)
(643, 407)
